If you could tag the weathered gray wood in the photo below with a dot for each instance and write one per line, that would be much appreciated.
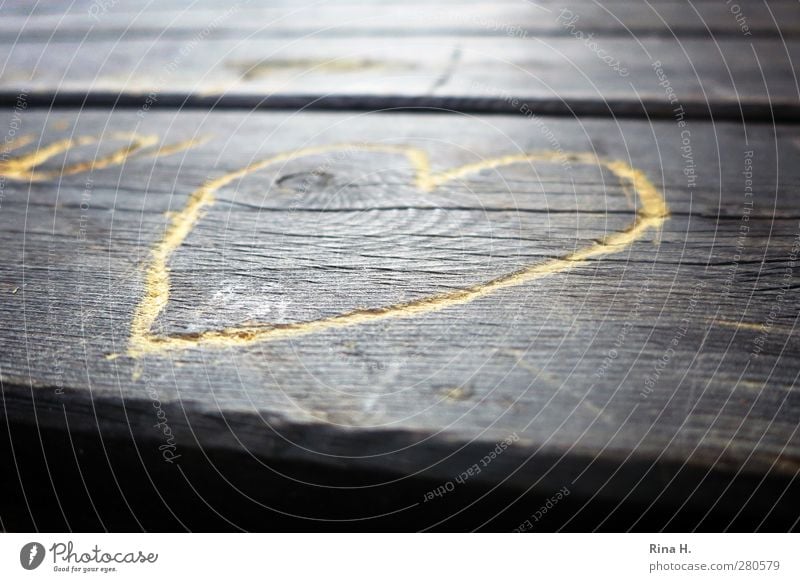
(702, 76)
(568, 362)
(470, 58)
(90, 19)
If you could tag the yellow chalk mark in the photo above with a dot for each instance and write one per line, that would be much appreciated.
(458, 393)
(251, 70)
(651, 214)
(737, 324)
(23, 167)
(17, 143)
(752, 326)
(175, 148)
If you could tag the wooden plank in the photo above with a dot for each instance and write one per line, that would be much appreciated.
(353, 306)
(653, 75)
(472, 58)
(89, 19)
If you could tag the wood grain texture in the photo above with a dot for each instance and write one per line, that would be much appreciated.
(172, 56)
(88, 19)
(219, 301)
(675, 353)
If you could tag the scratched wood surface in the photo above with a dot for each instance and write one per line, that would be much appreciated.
(449, 55)
(73, 20)
(341, 306)
(221, 309)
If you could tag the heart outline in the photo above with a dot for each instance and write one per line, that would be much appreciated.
(651, 214)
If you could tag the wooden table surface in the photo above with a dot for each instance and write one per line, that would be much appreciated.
(399, 266)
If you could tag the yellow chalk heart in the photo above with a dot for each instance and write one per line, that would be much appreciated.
(651, 214)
